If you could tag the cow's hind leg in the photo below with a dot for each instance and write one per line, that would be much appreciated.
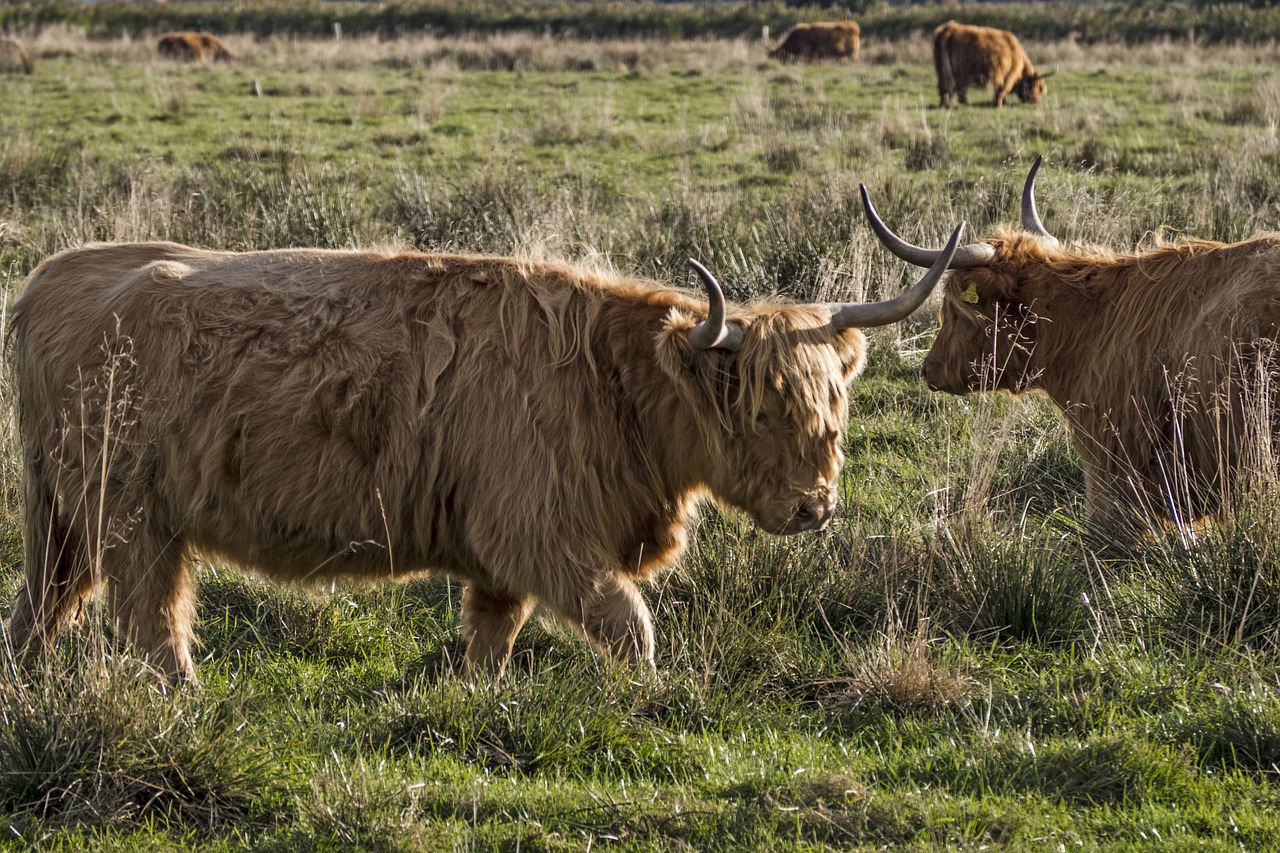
(153, 598)
(614, 616)
(57, 583)
(57, 567)
(490, 622)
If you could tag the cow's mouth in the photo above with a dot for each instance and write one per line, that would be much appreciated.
(934, 381)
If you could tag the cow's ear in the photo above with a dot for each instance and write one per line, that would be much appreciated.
(851, 349)
(703, 374)
(676, 352)
(991, 287)
(678, 342)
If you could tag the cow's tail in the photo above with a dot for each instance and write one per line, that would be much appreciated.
(942, 65)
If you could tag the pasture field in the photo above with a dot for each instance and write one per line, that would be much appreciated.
(953, 664)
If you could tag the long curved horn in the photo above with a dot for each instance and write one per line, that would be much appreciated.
(714, 332)
(846, 315)
(972, 255)
(1030, 216)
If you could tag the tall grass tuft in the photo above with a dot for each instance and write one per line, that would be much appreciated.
(1020, 584)
(903, 673)
(87, 740)
(1222, 588)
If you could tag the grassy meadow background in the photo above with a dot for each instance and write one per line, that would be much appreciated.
(954, 663)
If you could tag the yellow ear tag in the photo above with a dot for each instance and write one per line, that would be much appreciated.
(971, 295)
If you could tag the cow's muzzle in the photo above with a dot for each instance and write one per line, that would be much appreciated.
(937, 380)
(811, 515)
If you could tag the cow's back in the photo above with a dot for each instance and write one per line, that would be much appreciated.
(14, 56)
(827, 40)
(255, 393)
(289, 406)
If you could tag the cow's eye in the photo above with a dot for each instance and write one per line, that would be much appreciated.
(761, 418)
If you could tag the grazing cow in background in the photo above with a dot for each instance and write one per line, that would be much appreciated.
(986, 58)
(1162, 361)
(14, 58)
(194, 47)
(802, 42)
(543, 433)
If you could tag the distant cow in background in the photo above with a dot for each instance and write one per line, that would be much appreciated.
(982, 57)
(544, 433)
(14, 58)
(837, 40)
(1165, 363)
(194, 47)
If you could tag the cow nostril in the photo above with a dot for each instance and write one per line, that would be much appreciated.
(813, 515)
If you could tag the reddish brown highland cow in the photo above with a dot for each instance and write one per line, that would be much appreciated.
(1163, 361)
(981, 57)
(194, 47)
(838, 40)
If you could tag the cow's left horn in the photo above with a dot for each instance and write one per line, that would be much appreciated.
(847, 315)
(972, 255)
(1030, 216)
(714, 332)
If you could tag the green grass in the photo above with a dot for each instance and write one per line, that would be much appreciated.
(955, 663)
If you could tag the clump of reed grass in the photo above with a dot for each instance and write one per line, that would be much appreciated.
(89, 741)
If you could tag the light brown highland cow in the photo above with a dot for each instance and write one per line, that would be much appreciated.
(837, 40)
(543, 433)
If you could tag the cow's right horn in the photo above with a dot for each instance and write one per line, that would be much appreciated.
(972, 255)
(844, 316)
(1030, 216)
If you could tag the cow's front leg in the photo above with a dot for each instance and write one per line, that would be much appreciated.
(152, 597)
(614, 616)
(490, 622)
